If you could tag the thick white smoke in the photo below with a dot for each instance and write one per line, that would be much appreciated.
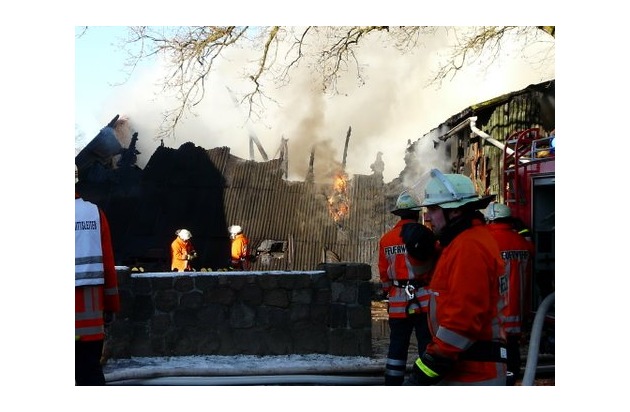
(393, 108)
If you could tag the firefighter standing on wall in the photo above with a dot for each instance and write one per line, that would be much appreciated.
(95, 289)
(516, 253)
(182, 251)
(403, 278)
(239, 259)
(466, 290)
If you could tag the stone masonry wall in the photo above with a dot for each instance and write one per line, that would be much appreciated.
(326, 311)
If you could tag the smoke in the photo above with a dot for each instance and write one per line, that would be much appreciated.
(391, 110)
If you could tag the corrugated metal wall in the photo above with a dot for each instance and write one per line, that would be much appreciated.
(268, 207)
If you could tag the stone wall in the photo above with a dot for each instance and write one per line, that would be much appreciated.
(326, 311)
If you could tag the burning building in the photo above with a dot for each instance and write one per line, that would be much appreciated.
(291, 225)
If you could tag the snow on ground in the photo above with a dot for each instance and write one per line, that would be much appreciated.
(214, 365)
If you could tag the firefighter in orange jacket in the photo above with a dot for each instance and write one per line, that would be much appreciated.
(239, 248)
(403, 278)
(182, 251)
(516, 252)
(95, 289)
(466, 290)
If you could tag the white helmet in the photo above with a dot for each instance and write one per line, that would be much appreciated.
(184, 234)
(497, 211)
(235, 229)
(451, 191)
(405, 202)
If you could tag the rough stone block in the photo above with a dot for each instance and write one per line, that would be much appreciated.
(191, 300)
(242, 316)
(364, 297)
(251, 294)
(142, 308)
(338, 316)
(162, 283)
(222, 295)
(166, 300)
(359, 317)
(185, 317)
(304, 296)
(276, 297)
(184, 283)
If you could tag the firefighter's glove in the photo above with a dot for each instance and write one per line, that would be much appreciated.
(419, 240)
(429, 370)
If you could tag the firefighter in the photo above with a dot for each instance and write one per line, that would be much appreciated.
(516, 253)
(182, 251)
(403, 279)
(95, 289)
(465, 291)
(239, 259)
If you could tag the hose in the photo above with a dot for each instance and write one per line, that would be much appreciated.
(534, 340)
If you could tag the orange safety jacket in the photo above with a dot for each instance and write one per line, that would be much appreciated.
(397, 269)
(239, 248)
(516, 252)
(179, 249)
(465, 308)
(96, 282)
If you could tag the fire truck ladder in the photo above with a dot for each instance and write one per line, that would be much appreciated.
(520, 157)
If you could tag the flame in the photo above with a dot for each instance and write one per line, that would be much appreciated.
(338, 203)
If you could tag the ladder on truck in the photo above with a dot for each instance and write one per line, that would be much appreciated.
(523, 152)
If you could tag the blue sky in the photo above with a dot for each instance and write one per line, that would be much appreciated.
(99, 71)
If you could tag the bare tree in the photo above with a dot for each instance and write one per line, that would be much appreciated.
(486, 43)
(192, 52)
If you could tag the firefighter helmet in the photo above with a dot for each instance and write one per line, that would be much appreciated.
(235, 229)
(184, 234)
(450, 191)
(405, 202)
(497, 211)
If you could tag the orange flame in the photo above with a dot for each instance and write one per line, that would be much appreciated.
(338, 204)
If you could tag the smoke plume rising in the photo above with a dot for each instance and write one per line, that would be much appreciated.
(392, 109)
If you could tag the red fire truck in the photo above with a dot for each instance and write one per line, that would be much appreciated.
(529, 190)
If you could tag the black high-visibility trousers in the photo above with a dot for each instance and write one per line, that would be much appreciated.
(87, 363)
(400, 331)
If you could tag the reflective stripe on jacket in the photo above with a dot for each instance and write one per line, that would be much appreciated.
(91, 300)
(88, 254)
(395, 266)
(516, 253)
(465, 305)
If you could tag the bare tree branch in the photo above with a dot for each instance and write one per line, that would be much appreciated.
(192, 53)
